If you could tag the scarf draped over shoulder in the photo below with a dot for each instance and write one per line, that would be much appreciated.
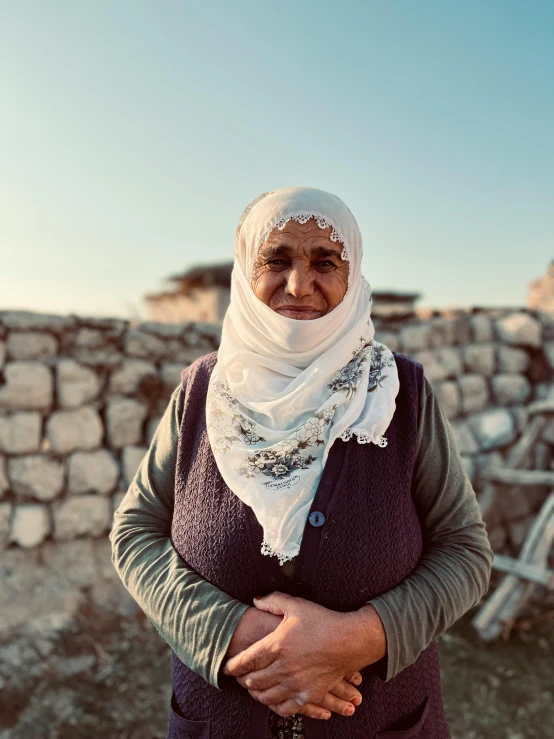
(283, 390)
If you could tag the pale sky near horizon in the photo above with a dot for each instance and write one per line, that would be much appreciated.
(133, 134)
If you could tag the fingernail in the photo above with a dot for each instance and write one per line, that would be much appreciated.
(356, 680)
(258, 597)
(349, 710)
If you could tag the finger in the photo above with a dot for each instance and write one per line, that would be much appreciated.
(293, 705)
(313, 711)
(355, 678)
(346, 692)
(262, 679)
(275, 603)
(337, 705)
(254, 658)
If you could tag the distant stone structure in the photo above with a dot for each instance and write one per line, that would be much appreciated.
(541, 292)
(199, 294)
(203, 294)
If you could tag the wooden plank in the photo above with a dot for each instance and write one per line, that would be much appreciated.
(521, 449)
(521, 569)
(541, 406)
(512, 594)
(521, 478)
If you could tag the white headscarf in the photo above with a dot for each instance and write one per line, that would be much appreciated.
(283, 389)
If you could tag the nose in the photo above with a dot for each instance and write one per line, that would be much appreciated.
(300, 282)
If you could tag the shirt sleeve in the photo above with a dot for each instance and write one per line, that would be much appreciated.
(193, 616)
(454, 570)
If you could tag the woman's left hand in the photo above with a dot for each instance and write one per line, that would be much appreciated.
(308, 653)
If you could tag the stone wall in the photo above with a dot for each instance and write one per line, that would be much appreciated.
(80, 399)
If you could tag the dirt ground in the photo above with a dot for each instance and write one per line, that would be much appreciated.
(110, 677)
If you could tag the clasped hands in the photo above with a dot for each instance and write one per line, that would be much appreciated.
(298, 657)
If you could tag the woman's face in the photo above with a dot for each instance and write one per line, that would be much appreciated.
(299, 272)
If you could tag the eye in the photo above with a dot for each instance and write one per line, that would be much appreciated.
(325, 265)
(277, 264)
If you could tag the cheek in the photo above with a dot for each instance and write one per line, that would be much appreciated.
(265, 284)
(333, 285)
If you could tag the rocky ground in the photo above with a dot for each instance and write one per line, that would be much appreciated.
(78, 661)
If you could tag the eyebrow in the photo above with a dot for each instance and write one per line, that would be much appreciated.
(279, 249)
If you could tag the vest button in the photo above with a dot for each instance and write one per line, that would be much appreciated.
(316, 519)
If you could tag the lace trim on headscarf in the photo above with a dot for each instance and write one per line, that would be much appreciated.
(302, 218)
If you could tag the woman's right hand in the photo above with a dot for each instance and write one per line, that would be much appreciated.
(255, 625)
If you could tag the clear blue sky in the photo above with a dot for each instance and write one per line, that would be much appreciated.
(133, 133)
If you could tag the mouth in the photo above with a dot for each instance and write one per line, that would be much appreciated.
(299, 312)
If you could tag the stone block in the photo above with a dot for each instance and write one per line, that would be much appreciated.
(508, 389)
(451, 360)
(549, 351)
(5, 517)
(29, 386)
(521, 416)
(165, 330)
(20, 433)
(475, 392)
(90, 338)
(83, 515)
(117, 498)
(480, 358)
(414, 338)
(171, 374)
(69, 431)
(443, 332)
(99, 359)
(24, 345)
(38, 476)
(23, 320)
(512, 359)
(92, 472)
(388, 338)
(493, 428)
(184, 354)
(131, 458)
(124, 419)
(4, 484)
(30, 525)
(448, 396)
(434, 371)
(76, 385)
(142, 344)
(520, 329)
(465, 440)
(125, 380)
(481, 328)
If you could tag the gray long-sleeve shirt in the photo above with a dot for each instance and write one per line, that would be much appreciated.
(198, 620)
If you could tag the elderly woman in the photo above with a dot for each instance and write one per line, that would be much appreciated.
(302, 529)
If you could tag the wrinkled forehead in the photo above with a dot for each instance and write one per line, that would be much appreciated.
(272, 211)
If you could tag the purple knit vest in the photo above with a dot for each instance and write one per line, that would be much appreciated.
(370, 541)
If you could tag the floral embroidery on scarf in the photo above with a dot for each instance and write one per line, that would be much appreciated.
(280, 461)
(229, 424)
(285, 728)
(378, 362)
(348, 378)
